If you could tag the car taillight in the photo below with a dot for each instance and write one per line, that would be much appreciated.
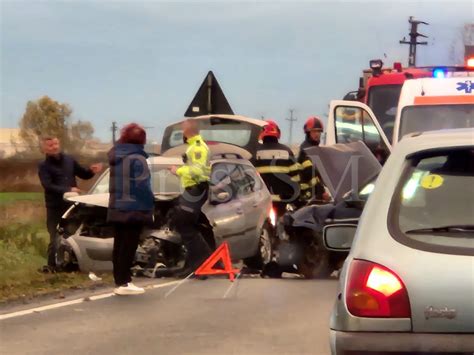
(375, 291)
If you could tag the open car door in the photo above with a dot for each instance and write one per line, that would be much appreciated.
(353, 121)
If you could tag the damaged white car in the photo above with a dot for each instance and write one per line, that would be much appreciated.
(237, 212)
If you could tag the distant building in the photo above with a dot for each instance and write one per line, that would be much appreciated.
(10, 142)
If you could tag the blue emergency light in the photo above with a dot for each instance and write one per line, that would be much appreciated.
(439, 73)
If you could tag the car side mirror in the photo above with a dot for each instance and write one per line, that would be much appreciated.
(339, 237)
(68, 195)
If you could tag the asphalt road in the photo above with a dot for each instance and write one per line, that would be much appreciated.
(256, 316)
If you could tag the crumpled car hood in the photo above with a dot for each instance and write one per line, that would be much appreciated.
(344, 167)
(100, 200)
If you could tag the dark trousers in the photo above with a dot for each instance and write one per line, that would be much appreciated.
(190, 204)
(53, 217)
(126, 239)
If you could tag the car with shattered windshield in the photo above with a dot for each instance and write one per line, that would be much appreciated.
(407, 284)
(236, 212)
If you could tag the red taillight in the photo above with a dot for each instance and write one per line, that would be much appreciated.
(375, 291)
(273, 217)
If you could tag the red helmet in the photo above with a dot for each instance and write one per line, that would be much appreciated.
(271, 129)
(313, 123)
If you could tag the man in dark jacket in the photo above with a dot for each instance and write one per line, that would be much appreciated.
(57, 174)
(131, 203)
(310, 183)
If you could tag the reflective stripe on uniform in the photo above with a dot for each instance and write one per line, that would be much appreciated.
(294, 167)
(270, 154)
(313, 182)
(273, 169)
(295, 178)
(307, 163)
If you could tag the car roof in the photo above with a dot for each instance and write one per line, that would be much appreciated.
(437, 139)
(254, 121)
(434, 86)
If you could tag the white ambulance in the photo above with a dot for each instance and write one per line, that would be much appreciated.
(425, 104)
(431, 104)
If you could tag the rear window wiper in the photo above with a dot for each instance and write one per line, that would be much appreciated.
(461, 228)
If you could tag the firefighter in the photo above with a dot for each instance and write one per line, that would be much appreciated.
(277, 166)
(194, 176)
(310, 183)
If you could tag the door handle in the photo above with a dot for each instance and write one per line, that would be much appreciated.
(240, 211)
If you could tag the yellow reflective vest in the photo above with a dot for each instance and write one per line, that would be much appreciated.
(197, 168)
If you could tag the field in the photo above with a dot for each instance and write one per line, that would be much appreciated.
(23, 246)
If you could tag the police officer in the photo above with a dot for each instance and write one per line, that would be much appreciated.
(57, 174)
(277, 166)
(310, 184)
(195, 176)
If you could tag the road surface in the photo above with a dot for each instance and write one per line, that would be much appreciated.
(255, 316)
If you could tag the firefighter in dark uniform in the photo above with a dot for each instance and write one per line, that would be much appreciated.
(278, 167)
(310, 183)
(195, 177)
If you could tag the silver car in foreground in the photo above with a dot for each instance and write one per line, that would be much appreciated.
(407, 285)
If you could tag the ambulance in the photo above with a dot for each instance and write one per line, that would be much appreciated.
(446, 100)
(433, 104)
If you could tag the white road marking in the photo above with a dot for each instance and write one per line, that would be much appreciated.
(232, 285)
(68, 303)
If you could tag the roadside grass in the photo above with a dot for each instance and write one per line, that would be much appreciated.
(10, 197)
(22, 252)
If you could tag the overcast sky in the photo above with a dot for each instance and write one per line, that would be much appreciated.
(143, 61)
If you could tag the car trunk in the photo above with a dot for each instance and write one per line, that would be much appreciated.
(442, 295)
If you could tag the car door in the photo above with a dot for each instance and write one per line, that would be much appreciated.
(226, 216)
(351, 121)
(255, 203)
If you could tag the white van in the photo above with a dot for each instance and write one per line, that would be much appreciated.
(431, 104)
(425, 104)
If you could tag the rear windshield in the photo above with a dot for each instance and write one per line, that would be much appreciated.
(434, 205)
(224, 131)
(434, 117)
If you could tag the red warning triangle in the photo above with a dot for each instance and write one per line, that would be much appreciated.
(221, 254)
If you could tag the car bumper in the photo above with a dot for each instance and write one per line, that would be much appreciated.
(354, 342)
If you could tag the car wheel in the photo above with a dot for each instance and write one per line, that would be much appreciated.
(66, 260)
(265, 249)
(315, 262)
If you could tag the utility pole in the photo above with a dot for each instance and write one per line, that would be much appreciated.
(113, 129)
(292, 120)
(413, 40)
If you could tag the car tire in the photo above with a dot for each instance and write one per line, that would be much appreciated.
(265, 249)
(316, 261)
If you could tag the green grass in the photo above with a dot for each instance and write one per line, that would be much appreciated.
(9, 197)
(22, 252)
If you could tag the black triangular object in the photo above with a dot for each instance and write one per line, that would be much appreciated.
(209, 99)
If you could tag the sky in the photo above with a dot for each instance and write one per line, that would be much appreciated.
(143, 61)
